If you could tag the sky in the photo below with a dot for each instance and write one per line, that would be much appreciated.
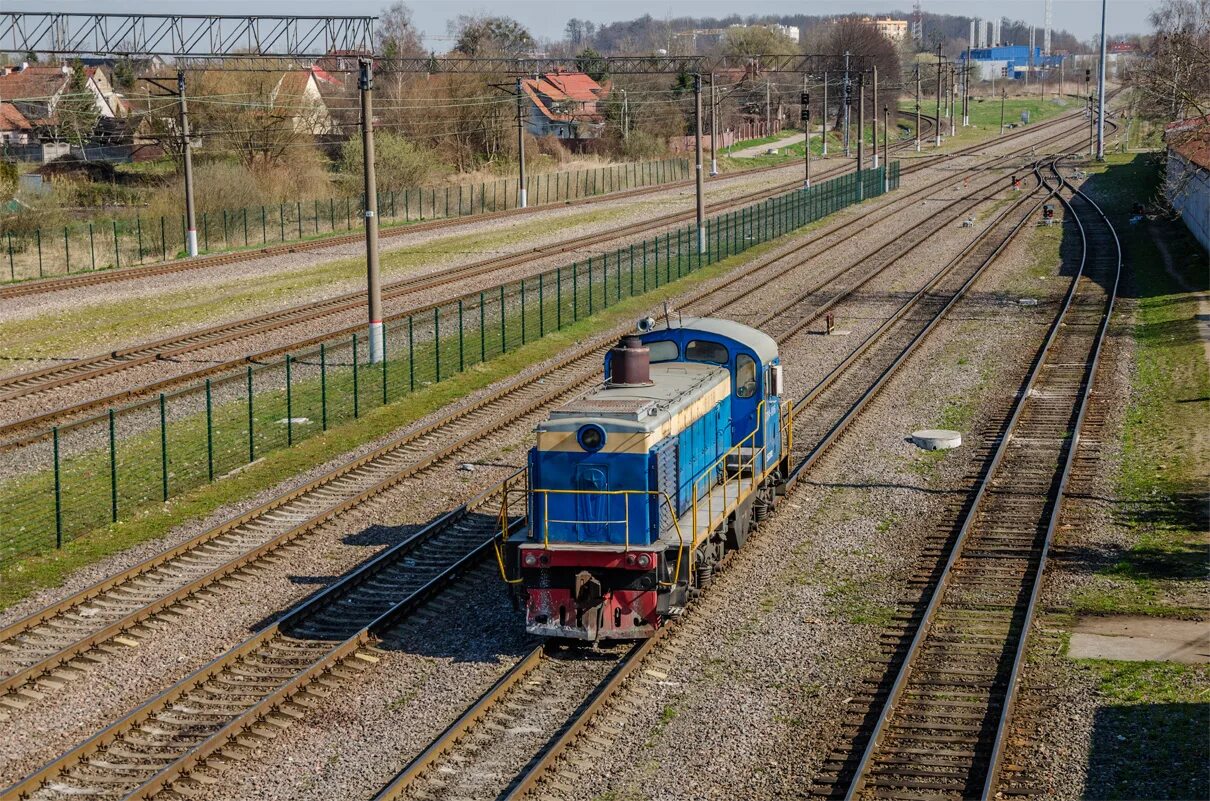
(546, 18)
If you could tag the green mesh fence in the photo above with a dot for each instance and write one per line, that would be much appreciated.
(77, 477)
(122, 242)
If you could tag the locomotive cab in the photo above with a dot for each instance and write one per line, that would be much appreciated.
(637, 488)
(749, 355)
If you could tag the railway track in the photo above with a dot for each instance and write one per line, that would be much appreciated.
(545, 699)
(454, 762)
(936, 720)
(41, 286)
(103, 738)
(65, 768)
(28, 385)
(43, 646)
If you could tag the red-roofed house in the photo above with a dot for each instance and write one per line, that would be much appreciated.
(565, 105)
(15, 129)
(36, 91)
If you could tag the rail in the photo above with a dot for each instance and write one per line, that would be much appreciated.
(903, 674)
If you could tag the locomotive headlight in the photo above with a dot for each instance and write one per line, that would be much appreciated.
(591, 438)
(531, 559)
(644, 560)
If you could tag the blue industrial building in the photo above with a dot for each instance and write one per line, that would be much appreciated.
(1010, 61)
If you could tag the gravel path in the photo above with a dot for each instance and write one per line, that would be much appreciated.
(760, 150)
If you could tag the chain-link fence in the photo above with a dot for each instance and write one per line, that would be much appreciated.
(101, 245)
(77, 477)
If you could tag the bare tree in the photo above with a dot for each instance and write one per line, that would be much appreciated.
(257, 116)
(1173, 76)
(862, 41)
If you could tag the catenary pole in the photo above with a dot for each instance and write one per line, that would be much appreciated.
(697, 126)
(917, 106)
(1101, 92)
(886, 149)
(187, 153)
(768, 106)
(952, 94)
(824, 122)
(1003, 97)
(806, 125)
(937, 140)
(874, 115)
(860, 129)
(522, 200)
(713, 128)
(848, 104)
(966, 89)
(365, 83)
(1092, 122)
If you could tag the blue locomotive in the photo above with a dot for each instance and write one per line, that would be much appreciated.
(638, 489)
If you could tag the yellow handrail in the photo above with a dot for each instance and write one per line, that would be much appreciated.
(706, 474)
(546, 493)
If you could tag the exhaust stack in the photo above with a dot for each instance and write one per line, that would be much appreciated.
(630, 364)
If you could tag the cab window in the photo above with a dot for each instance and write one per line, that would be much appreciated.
(663, 350)
(699, 350)
(745, 376)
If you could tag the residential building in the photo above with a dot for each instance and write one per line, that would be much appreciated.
(789, 31)
(565, 105)
(894, 29)
(15, 129)
(37, 90)
(298, 94)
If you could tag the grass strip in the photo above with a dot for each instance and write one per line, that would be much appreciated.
(1165, 468)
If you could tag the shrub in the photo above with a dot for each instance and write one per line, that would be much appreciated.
(398, 163)
(8, 181)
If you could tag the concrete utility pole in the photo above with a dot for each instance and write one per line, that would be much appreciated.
(824, 127)
(937, 143)
(187, 152)
(874, 114)
(365, 82)
(860, 129)
(953, 96)
(806, 124)
(713, 128)
(768, 108)
(521, 196)
(886, 149)
(697, 126)
(848, 104)
(1101, 93)
(966, 89)
(1003, 96)
(917, 106)
(625, 118)
(1092, 123)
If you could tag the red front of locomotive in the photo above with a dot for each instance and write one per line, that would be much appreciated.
(588, 594)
